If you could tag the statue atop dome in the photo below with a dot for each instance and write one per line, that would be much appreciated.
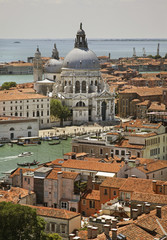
(55, 53)
(80, 40)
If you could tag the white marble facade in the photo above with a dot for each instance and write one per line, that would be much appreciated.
(81, 87)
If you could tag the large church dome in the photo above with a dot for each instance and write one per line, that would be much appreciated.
(81, 57)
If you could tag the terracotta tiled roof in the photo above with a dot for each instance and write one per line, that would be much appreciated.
(155, 106)
(69, 153)
(12, 95)
(113, 133)
(93, 195)
(146, 135)
(140, 124)
(14, 194)
(17, 172)
(150, 198)
(125, 144)
(81, 154)
(145, 91)
(68, 175)
(113, 182)
(145, 227)
(137, 185)
(90, 165)
(153, 166)
(55, 212)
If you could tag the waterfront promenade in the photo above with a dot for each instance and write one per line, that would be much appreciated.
(73, 130)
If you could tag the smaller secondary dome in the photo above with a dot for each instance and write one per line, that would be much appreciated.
(53, 66)
(81, 59)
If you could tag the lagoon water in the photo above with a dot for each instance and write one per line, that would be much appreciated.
(20, 49)
(42, 153)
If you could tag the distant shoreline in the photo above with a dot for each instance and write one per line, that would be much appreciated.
(90, 39)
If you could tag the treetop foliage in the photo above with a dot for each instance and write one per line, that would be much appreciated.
(8, 85)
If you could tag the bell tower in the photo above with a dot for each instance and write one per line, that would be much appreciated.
(37, 66)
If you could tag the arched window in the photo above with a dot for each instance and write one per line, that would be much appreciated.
(80, 104)
(29, 127)
(37, 113)
(16, 114)
(77, 87)
(11, 129)
(84, 86)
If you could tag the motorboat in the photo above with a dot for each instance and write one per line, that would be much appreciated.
(25, 154)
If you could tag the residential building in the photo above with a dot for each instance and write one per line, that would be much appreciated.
(13, 127)
(90, 203)
(59, 221)
(138, 138)
(125, 104)
(25, 103)
(60, 192)
(18, 195)
(17, 68)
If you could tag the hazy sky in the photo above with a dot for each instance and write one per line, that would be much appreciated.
(100, 18)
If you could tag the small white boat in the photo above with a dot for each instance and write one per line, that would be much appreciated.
(25, 154)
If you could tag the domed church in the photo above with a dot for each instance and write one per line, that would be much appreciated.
(81, 87)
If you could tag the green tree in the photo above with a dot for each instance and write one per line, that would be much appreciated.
(51, 236)
(19, 222)
(8, 85)
(58, 110)
(165, 56)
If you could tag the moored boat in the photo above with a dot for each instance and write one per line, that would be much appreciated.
(28, 164)
(54, 143)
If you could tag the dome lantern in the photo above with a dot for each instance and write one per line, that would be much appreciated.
(81, 41)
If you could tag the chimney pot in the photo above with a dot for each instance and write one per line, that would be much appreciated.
(114, 233)
(114, 223)
(154, 185)
(134, 213)
(158, 211)
(89, 232)
(147, 208)
(106, 229)
(139, 207)
(94, 232)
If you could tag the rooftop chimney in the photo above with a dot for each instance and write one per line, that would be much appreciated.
(158, 211)
(89, 232)
(94, 232)
(154, 185)
(106, 229)
(134, 213)
(139, 207)
(114, 233)
(114, 223)
(147, 208)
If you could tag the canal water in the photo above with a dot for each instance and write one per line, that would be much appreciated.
(42, 153)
